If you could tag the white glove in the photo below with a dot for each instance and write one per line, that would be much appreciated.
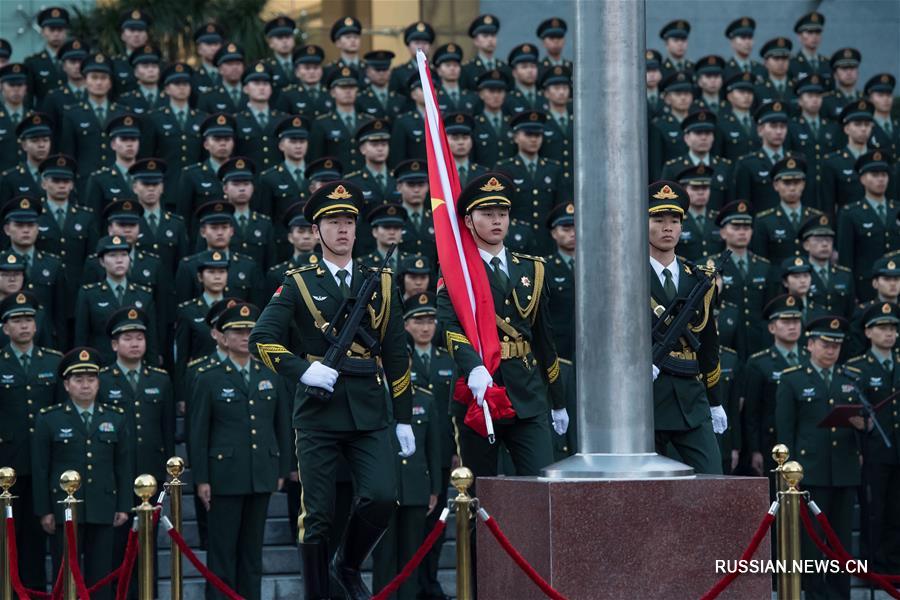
(655, 372)
(560, 421)
(407, 440)
(318, 375)
(719, 419)
(479, 381)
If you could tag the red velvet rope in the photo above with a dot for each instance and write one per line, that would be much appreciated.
(520, 560)
(74, 567)
(207, 574)
(13, 553)
(131, 550)
(414, 562)
(747, 554)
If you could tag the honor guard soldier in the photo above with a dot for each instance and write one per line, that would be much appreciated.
(12, 282)
(374, 179)
(886, 283)
(810, 133)
(740, 37)
(552, 33)
(732, 392)
(145, 95)
(172, 131)
(376, 99)
(302, 243)
(73, 89)
(35, 134)
(134, 33)
(808, 61)
(96, 302)
(877, 370)
(737, 130)
(418, 233)
(762, 374)
(29, 380)
(806, 394)
(539, 183)
(253, 233)
(459, 128)
(753, 172)
(355, 421)
(493, 135)
(13, 94)
(307, 96)
(832, 284)
(776, 231)
(524, 96)
(561, 277)
(483, 30)
(408, 134)
(675, 36)
(161, 232)
(451, 96)
(845, 72)
(112, 182)
(332, 132)
(840, 181)
(687, 408)
(666, 140)
(256, 123)
(198, 183)
(84, 130)
(879, 90)
(83, 435)
(280, 39)
(708, 77)
(559, 130)
(386, 223)
(43, 68)
(192, 339)
(746, 278)
(415, 274)
(529, 366)
(655, 105)
(217, 225)
(345, 35)
(699, 233)
(208, 39)
(417, 36)
(775, 85)
(228, 95)
(796, 280)
(699, 135)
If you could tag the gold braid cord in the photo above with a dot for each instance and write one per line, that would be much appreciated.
(401, 385)
(707, 300)
(712, 378)
(535, 294)
(553, 371)
(457, 338)
(265, 350)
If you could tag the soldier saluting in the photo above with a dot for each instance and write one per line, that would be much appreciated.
(354, 421)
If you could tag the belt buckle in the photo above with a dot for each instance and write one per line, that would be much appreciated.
(504, 350)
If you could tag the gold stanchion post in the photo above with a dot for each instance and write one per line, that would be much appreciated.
(462, 479)
(144, 488)
(7, 480)
(789, 538)
(780, 455)
(175, 467)
(69, 482)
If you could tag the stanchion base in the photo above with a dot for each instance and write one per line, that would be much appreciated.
(617, 466)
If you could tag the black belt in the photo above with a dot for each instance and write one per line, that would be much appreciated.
(680, 367)
(358, 367)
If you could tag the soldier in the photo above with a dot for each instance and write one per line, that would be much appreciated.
(559, 130)
(83, 435)
(708, 77)
(134, 33)
(831, 468)
(34, 133)
(73, 89)
(845, 69)
(13, 93)
(811, 133)
(145, 95)
(302, 242)
(493, 135)
(161, 232)
(524, 96)
(699, 135)
(386, 222)
(451, 96)
(753, 172)
(253, 234)
(96, 302)
(44, 67)
(345, 35)
(459, 127)
(354, 422)
(675, 36)
(740, 36)
(408, 133)
(12, 282)
(198, 183)
(228, 96)
(208, 39)
(192, 339)
(552, 33)
(112, 182)
(762, 374)
(886, 132)
(418, 233)
(28, 372)
(280, 39)
(281, 185)
(699, 233)
(655, 105)
(776, 231)
(666, 140)
(876, 369)
(332, 132)
(240, 426)
(377, 100)
(796, 280)
(374, 179)
(840, 182)
(417, 36)
(539, 183)
(775, 85)
(256, 123)
(307, 96)
(808, 61)
(483, 30)
(415, 275)
(832, 284)
(886, 283)
(737, 131)
(561, 277)
(687, 408)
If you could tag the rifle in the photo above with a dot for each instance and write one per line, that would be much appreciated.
(678, 315)
(347, 323)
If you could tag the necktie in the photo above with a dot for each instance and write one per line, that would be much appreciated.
(572, 263)
(742, 266)
(417, 220)
(776, 157)
(26, 362)
(795, 219)
(529, 97)
(342, 282)
(27, 260)
(792, 358)
(499, 275)
(181, 117)
(881, 212)
(426, 361)
(814, 127)
(151, 220)
(348, 120)
(826, 377)
(298, 177)
(745, 121)
(888, 128)
(669, 285)
(531, 169)
(16, 117)
(823, 274)
(262, 118)
(242, 223)
(463, 175)
(495, 121)
(379, 179)
(86, 417)
(133, 379)
(120, 292)
(236, 96)
(151, 99)
(101, 114)
(60, 217)
(563, 122)
(701, 221)
(713, 106)
(454, 97)
(245, 375)
(888, 365)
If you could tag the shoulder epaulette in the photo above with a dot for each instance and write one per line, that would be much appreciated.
(672, 161)
(386, 271)
(854, 369)
(196, 361)
(765, 213)
(113, 408)
(353, 174)
(51, 351)
(52, 407)
(105, 369)
(186, 302)
(724, 160)
(760, 353)
(323, 117)
(792, 369)
(856, 359)
(193, 166)
(420, 390)
(529, 256)
(143, 287)
(90, 286)
(762, 259)
(706, 269)
(841, 268)
(157, 370)
(727, 349)
(148, 253)
(301, 269)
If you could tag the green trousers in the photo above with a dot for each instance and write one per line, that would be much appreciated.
(528, 441)
(697, 447)
(404, 535)
(837, 504)
(237, 525)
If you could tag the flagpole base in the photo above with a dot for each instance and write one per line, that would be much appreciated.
(617, 466)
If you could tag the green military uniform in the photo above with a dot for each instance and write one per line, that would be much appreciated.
(255, 238)
(769, 90)
(458, 99)
(293, 217)
(46, 72)
(731, 335)
(699, 231)
(474, 68)
(679, 29)
(256, 138)
(832, 285)
(667, 141)
(519, 99)
(840, 180)
(222, 98)
(742, 27)
(198, 183)
(282, 68)
(559, 130)
(387, 102)
(492, 138)
(834, 102)
(801, 64)
(94, 442)
(812, 137)
(737, 133)
(753, 172)
(721, 190)
(830, 455)
(332, 133)
(10, 150)
(885, 132)
(731, 382)
(206, 76)
(342, 26)
(244, 278)
(408, 132)
(20, 181)
(561, 284)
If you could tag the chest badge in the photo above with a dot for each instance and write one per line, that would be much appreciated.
(525, 281)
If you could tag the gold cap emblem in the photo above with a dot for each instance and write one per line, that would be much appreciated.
(680, 76)
(835, 324)
(526, 48)
(554, 23)
(790, 301)
(701, 169)
(886, 308)
(54, 12)
(460, 118)
(76, 45)
(570, 209)
(21, 299)
(328, 164)
(296, 122)
(84, 355)
(891, 265)
(348, 21)
(378, 125)
(210, 28)
(221, 120)
(216, 256)
(132, 314)
(16, 68)
(415, 166)
(780, 43)
(791, 163)
(862, 105)
(99, 58)
(823, 220)
(451, 47)
(648, 55)
(493, 185)
(533, 116)
(876, 156)
(179, 68)
(557, 70)
(814, 79)
(701, 116)
(345, 72)
(848, 53)
(488, 19)
(116, 240)
(231, 303)
(11, 259)
(746, 77)
(814, 17)
(219, 207)
(259, 68)
(423, 299)
(135, 14)
(742, 207)
(776, 106)
(232, 48)
(61, 161)
(240, 164)
(340, 193)
(666, 193)
(798, 262)
(128, 121)
(310, 49)
(148, 49)
(245, 311)
(391, 210)
(25, 203)
(745, 22)
(313, 259)
(885, 78)
(126, 205)
(420, 26)
(151, 165)
(420, 264)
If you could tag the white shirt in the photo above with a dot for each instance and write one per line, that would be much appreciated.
(673, 268)
(333, 268)
(487, 256)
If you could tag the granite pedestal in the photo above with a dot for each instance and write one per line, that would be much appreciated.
(646, 539)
